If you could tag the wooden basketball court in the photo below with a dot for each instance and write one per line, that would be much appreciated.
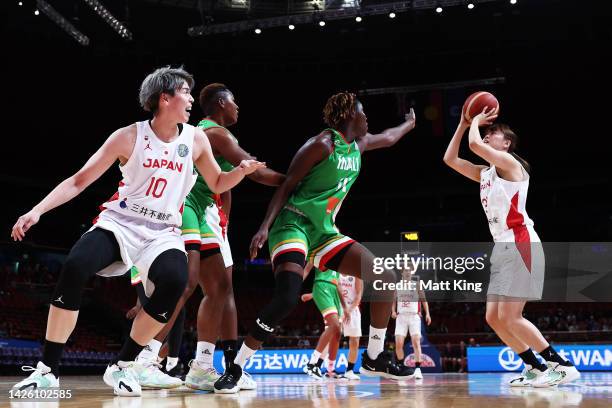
(297, 391)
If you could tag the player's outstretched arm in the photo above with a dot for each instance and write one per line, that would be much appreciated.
(452, 159)
(118, 146)
(313, 151)
(388, 137)
(227, 147)
(218, 181)
(500, 159)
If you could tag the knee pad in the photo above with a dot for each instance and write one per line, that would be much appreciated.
(169, 275)
(93, 252)
(286, 296)
(72, 280)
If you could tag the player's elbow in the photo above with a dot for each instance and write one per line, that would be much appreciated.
(216, 187)
(79, 181)
(450, 161)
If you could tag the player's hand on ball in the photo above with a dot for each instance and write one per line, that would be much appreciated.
(410, 117)
(257, 242)
(250, 166)
(23, 224)
(486, 117)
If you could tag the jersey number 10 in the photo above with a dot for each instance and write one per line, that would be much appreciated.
(157, 187)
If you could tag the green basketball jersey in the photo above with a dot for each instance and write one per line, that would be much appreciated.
(320, 194)
(327, 276)
(201, 196)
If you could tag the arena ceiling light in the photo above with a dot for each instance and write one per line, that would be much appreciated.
(352, 10)
(64, 24)
(109, 18)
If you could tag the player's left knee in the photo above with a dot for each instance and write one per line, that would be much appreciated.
(169, 272)
(169, 275)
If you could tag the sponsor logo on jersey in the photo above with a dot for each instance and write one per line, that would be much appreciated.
(163, 164)
(183, 150)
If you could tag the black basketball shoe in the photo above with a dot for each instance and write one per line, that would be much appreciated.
(384, 366)
(228, 382)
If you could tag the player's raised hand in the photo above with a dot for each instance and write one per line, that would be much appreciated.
(250, 166)
(23, 224)
(257, 242)
(486, 117)
(411, 117)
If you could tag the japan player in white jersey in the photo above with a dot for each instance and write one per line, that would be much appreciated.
(351, 289)
(517, 261)
(407, 312)
(139, 226)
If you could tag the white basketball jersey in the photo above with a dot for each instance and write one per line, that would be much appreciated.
(156, 178)
(504, 202)
(349, 289)
(408, 301)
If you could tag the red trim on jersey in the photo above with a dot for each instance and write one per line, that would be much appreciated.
(515, 221)
(343, 137)
(288, 250)
(192, 241)
(204, 247)
(331, 254)
(332, 202)
(182, 208)
(222, 216)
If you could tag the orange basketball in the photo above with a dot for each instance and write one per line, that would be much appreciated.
(476, 102)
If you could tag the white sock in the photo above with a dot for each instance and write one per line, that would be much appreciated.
(314, 357)
(376, 342)
(150, 351)
(204, 354)
(171, 362)
(243, 355)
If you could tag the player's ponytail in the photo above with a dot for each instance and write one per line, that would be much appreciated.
(513, 138)
(338, 108)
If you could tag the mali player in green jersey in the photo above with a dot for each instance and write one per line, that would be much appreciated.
(300, 225)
